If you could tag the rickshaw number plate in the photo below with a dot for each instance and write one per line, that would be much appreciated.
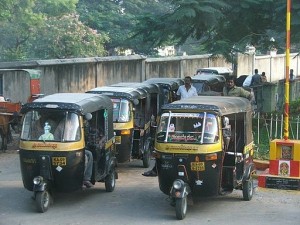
(197, 166)
(118, 139)
(59, 161)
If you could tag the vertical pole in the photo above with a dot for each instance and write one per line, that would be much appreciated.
(270, 79)
(287, 69)
(271, 127)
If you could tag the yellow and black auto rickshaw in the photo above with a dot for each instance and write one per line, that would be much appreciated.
(204, 147)
(169, 86)
(135, 105)
(57, 130)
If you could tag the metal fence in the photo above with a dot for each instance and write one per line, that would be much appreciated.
(267, 127)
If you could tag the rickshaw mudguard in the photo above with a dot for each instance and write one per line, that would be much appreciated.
(112, 164)
(248, 170)
(185, 191)
(40, 187)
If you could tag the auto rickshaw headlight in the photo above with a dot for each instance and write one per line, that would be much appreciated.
(178, 184)
(37, 180)
(212, 156)
(125, 132)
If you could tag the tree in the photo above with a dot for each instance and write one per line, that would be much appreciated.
(46, 29)
(221, 27)
(16, 27)
(67, 37)
(118, 18)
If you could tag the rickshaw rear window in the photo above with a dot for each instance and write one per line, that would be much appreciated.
(188, 128)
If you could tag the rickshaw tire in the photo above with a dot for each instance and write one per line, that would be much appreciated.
(248, 189)
(42, 200)
(181, 208)
(110, 181)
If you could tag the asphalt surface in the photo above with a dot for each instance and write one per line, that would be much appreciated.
(137, 200)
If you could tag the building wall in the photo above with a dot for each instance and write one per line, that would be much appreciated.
(83, 74)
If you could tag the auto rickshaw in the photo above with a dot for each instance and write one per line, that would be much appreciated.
(204, 147)
(56, 131)
(169, 85)
(135, 105)
(209, 84)
(169, 91)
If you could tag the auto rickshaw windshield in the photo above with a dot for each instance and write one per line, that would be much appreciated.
(188, 128)
(51, 125)
(121, 110)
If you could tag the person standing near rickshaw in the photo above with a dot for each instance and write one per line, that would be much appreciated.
(186, 90)
(231, 89)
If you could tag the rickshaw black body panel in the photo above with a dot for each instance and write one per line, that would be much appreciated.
(124, 148)
(64, 178)
(202, 183)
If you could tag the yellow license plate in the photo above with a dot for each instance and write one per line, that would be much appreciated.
(197, 166)
(118, 139)
(59, 161)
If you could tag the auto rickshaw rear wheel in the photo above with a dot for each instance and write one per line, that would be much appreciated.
(42, 200)
(110, 181)
(248, 189)
(181, 207)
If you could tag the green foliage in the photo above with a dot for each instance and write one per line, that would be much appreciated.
(295, 107)
(46, 29)
(199, 26)
(67, 37)
(223, 27)
(118, 19)
(56, 7)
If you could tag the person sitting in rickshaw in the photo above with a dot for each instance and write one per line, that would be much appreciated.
(88, 169)
(47, 135)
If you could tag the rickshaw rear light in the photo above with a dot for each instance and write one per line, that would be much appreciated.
(37, 180)
(212, 156)
(125, 132)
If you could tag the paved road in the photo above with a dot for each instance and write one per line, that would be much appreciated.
(137, 200)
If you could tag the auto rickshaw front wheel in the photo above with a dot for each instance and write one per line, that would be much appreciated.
(248, 189)
(181, 207)
(110, 181)
(42, 200)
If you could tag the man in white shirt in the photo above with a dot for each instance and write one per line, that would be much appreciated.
(186, 90)
(247, 81)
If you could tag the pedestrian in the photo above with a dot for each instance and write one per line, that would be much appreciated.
(292, 74)
(186, 90)
(256, 78)
(263, 77)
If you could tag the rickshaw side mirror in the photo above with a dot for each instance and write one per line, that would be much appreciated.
(136, 101)
(88, 116)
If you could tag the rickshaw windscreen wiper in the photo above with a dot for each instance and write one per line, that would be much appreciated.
(168, 125)
(203, 128)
